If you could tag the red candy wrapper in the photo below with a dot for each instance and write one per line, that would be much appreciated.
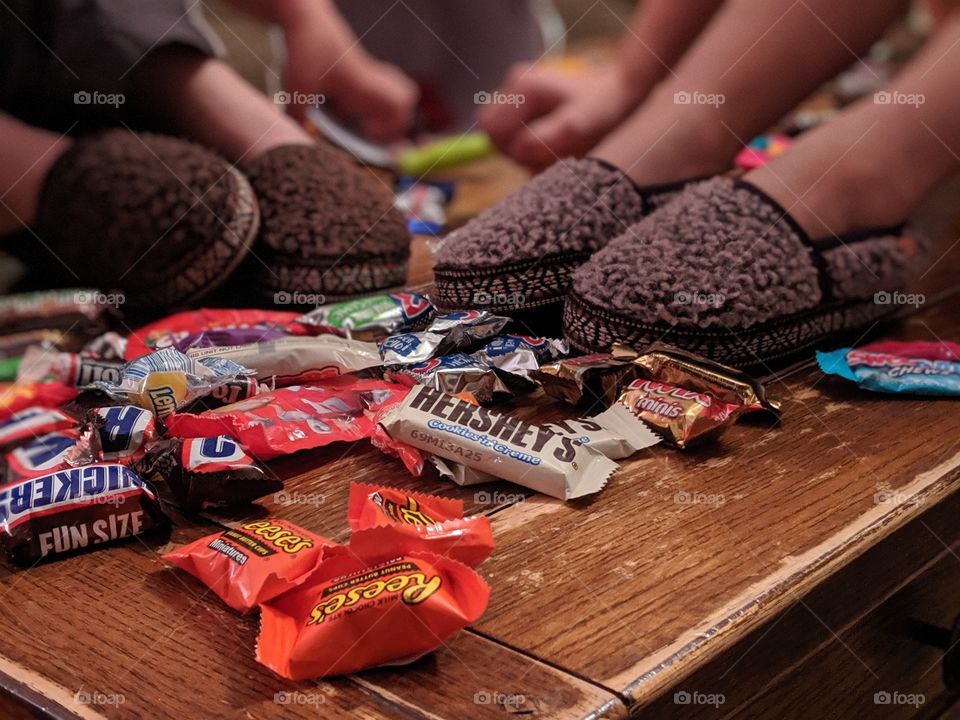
(171, 330)
(296, 418)
(254, 563)
(410, 522)
(19, 396)
(361, 611)
(33, 423)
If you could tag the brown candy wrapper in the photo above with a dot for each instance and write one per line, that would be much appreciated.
(583, 380)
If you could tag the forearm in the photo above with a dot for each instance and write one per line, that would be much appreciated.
(296, 13)
(658, 35)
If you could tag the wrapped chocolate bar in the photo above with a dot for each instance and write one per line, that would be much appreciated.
(82, 309)
(520, 355)
(175, 329)
(32, 423)
(69, 368)
(16, 345)
(687, 370)
(296, 360)
(75, 509)
(410, 348)
(253, 563)
(917, 368)
(167, 380)
(371, 317)
(539, 458)
(586, 379)
(454, 374)
(463, 331)
(15, 397)
(199, 473)
(45, 454)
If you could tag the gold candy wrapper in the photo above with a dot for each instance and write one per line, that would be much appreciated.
(582, 380)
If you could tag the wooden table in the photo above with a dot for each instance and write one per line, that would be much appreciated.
(786, 571)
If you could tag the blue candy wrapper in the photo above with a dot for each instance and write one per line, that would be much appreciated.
(893, 372)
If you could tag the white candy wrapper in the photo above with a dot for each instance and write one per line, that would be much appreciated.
(539, 458)
(298, 360)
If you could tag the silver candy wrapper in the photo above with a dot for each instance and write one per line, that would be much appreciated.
(453, 374)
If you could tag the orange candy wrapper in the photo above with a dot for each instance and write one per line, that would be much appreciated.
(253, 563)
(413, 522)
(358, 611)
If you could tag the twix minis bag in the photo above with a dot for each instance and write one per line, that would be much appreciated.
(407, 521)
(252, 563)
(401, 607)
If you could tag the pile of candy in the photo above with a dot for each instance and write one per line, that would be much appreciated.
(102, 437)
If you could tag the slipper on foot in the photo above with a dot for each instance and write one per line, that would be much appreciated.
(328, 227)
(520, 254)
(159, 218)
(724, 271)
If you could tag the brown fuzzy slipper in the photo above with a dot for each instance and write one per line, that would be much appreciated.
(328, 227)
(161, 219)
(520, 254)
(724, 271)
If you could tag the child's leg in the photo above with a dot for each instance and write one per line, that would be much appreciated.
(209, 103)
(755, 61)
(872, 165)
(26, 155)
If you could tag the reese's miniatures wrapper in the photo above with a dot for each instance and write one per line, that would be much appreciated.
(297, 360)
(206, 472)
(539, 458)
(371, 317)
(454, 374)
(402, 606)
(408, 521)
(75, 509)
(253, 563)
(39, 363)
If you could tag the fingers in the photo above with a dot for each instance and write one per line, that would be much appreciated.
(502, 122)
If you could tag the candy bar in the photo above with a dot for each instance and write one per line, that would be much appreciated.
(454, 374)
(539, 458)
(919, 368)
(21, 396)
(69, 368)
(74, 509)
(32, 423)
(371, 317)
(586, 379)
(297, 360)
(295, 418)
(252, 563)
(401, 607)
(78, 308)
(520, 354)
(199, 473)
(408, 521)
